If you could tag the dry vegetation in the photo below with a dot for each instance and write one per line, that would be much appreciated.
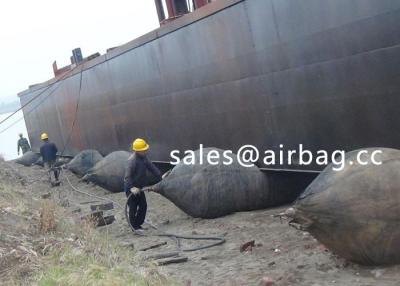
(40, 244)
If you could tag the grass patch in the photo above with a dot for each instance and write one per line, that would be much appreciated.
(94, 260)
(89, 257)
(47, 221)
(40, 244)
(75, 267)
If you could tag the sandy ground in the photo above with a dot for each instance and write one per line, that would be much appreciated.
(287, 255)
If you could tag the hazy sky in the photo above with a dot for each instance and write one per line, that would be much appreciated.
(34, 33)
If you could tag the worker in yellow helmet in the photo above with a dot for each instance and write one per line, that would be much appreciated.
(134, 181)
(48, 150)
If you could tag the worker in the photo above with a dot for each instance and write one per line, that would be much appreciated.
(23, 144)
(48, 150)
(135, 180)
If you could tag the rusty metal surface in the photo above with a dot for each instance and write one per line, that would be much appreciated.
(160, 10)
(262, 72)
(200, 3)
(170, 8)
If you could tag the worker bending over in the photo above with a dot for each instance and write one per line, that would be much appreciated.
(134, 181)
(48, 150)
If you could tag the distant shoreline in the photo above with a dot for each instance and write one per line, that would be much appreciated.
(9, 107)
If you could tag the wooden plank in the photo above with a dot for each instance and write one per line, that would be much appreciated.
(93, 216)
(167, 261)
(106, 220)
(102, 207)
(89, 202)
(162, 255)
(99, 219)
(153, 246)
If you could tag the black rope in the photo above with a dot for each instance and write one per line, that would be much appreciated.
(76, 114)
(175, 237)
(30, 111)
(35, 97)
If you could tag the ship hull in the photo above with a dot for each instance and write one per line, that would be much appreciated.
(325, 74)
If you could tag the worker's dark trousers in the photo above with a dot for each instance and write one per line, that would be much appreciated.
(137, 209)
(51, 169)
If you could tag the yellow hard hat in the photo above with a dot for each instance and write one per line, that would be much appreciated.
(44, 136)
(140, 145)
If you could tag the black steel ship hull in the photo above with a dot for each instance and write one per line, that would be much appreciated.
(322, 73)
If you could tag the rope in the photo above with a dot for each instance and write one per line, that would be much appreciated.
(76, 113)
(73, 123)
(34, 98)
(176, 237)
(91, 195)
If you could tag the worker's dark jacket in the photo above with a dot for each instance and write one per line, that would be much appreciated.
(49, 152)
(135, 171)
(23, 144)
